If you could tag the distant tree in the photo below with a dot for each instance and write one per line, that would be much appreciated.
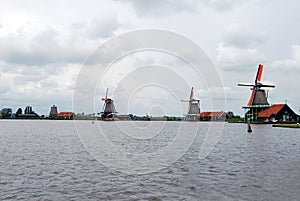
(230, 114)
(131, 116)
(19, 111)
(6, 113)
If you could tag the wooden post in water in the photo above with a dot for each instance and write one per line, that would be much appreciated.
(249, 127)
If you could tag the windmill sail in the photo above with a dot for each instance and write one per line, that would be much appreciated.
(192, 94)
(259, 73)
(251, 98)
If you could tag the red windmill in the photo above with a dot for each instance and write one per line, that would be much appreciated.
(258, 99)
(258, 95)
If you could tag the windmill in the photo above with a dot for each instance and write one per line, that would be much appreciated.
(193, 108)
(258, 99)
(108, 109)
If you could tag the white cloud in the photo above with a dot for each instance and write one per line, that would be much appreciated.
(240, 59)
(292, 63)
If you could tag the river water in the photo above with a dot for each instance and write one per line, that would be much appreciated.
(49, 160)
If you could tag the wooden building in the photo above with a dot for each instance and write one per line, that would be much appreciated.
(65, 115)
(213, 116)
(278, 113)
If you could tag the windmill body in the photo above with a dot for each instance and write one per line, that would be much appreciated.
(108, 110)
(193, 108)
(259, 98)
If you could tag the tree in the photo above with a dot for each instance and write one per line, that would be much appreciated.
(19, 111)
(230, 114)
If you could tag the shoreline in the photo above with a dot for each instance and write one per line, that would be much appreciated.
(286, 125)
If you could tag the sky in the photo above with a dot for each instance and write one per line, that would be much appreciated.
(49, 53)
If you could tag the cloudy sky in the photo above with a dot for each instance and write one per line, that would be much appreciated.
(45, 44)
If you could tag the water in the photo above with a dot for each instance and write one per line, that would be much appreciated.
(45, 160)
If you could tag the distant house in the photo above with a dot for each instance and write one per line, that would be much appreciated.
(124, 117)
(213, 116)
(278, 112)
(65, 115)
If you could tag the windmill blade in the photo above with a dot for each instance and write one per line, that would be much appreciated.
(106, 93)
(192, 93)
(251, 98)
(259, 73)
(245, 84)
(103, 106)
(267, 86)
(192, 100)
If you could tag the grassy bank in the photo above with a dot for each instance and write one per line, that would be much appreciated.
(235, 120)
(287, 125)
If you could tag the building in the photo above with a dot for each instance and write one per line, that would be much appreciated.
(65, 115)
(213, 116)
(278, 113)
(28, 113)
(193, 107)
(109, 111)
(124, 117)
(28, 110)
(53, 111)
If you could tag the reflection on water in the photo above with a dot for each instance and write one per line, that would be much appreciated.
(45, 160)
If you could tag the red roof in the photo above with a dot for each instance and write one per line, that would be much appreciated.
(274, 109)
(211, 114)
(64, 114)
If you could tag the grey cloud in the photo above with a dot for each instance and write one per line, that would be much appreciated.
(49, 84)
(36, 86)
(22, 75)
(163, 7)
(291, 64)
(224, 4)
(36, 44)
(103, 27)
(43, 45)
(239, 49)
(33, 74)
(77, 26)
(145, 7)
(240, 36)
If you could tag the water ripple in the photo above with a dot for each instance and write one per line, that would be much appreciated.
(45, 160)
